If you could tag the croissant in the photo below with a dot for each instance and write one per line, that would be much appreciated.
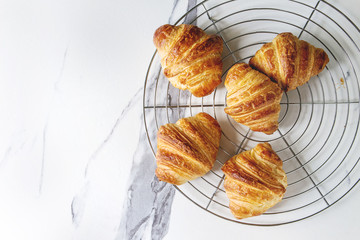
(252, 98)
(289, 61)
(191, 59)
(187, 149)
(254, 181)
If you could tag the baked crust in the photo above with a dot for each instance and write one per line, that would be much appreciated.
(187, 149)
(252, 98)
(191, 59)
(289, 61)
(254, 181)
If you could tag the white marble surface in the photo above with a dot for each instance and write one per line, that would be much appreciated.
(71, 78)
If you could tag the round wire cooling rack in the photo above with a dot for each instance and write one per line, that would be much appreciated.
(318, 123)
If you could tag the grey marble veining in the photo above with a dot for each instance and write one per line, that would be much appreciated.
(148, 205)
(131, 104)
(147, 209)
(55, 95)
(81, 199)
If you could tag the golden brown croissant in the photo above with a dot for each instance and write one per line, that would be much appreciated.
(187, 150)
(254, 181)
(191, 59)
(252, 98)
(289, 61)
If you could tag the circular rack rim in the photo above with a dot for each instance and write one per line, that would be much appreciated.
(245, 135)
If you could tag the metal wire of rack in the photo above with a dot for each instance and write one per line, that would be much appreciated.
(319, 121)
